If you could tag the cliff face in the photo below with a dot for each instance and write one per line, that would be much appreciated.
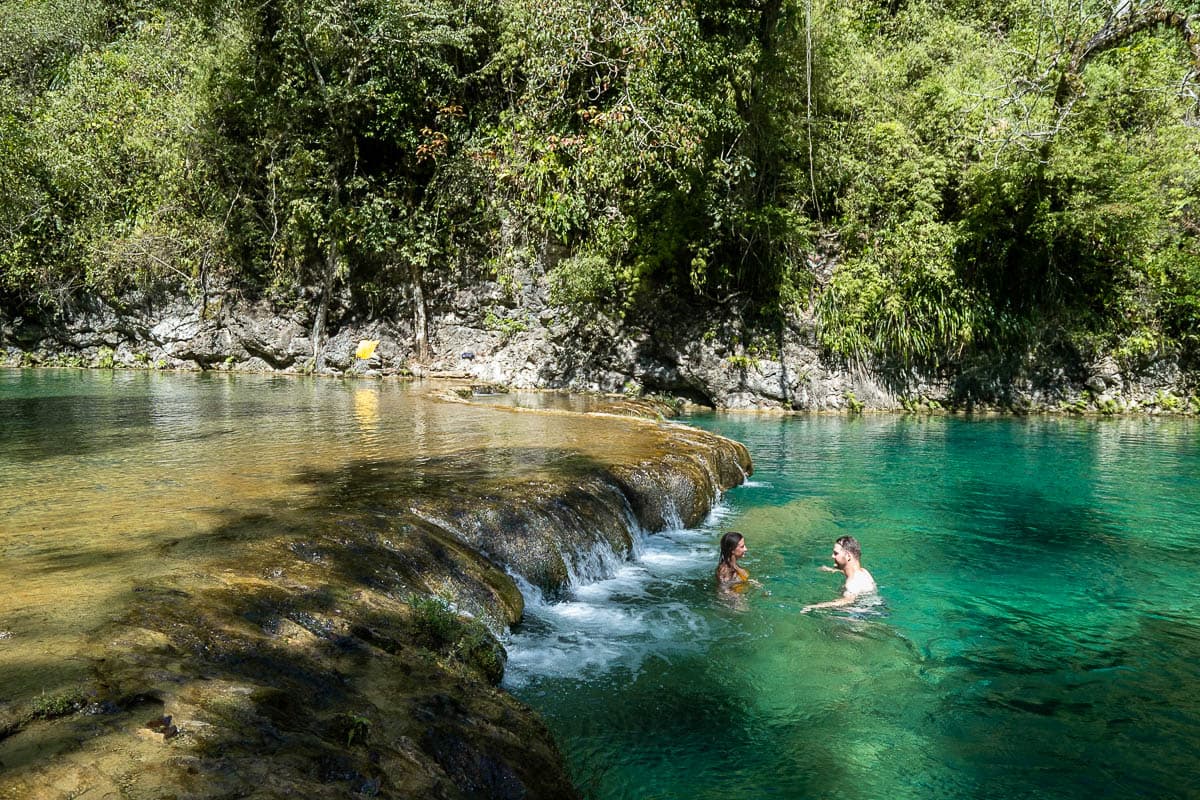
(517, 338)
(348, 647)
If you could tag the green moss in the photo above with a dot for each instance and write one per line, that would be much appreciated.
(507, 327)
(212, 310)
(60, 704)
(1167, 401)
(1079, 406)
(105, 358)
(352, 728)
(435, 621)
(441, 629)
(741, 362)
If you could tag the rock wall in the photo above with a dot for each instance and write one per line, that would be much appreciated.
(515, 337)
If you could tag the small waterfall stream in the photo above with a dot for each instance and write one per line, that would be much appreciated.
(1035, 635)
(603, 621)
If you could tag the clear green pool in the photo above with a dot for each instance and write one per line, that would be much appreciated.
(1040, 636)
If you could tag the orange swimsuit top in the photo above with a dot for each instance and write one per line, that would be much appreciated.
(737, 585)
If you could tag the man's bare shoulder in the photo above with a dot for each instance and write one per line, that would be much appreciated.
(860, 583)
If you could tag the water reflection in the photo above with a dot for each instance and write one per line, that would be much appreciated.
(366, 409)
(366, 414)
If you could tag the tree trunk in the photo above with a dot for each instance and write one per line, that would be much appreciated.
(332, 262)
(420, 317)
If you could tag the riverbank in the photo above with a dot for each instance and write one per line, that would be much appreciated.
(709, 359)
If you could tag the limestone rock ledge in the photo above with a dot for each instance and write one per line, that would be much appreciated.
(348, 649)
(712, 357)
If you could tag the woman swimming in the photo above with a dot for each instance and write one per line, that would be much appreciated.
(729, 574)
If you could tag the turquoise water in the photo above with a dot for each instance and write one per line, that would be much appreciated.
(1039, 635)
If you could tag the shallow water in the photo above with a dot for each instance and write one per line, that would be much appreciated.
(115, 483)
(1039, 635)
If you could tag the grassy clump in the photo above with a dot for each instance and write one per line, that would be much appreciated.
(441, 629)
(59, 704)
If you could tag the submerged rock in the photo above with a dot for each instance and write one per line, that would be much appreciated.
(348, 647)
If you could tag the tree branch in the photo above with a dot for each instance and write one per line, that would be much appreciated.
(1114, 33)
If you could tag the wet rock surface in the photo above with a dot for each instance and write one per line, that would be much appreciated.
(347, 647)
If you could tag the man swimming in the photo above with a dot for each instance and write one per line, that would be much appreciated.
(847, 555)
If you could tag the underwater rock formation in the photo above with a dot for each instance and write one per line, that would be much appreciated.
(348, 647)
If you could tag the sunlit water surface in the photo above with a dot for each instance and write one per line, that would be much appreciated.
(115, 482)
(1039, 635)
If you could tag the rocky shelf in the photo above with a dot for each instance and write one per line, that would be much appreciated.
(345, 651)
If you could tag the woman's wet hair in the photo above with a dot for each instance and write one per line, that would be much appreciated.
(729, 543)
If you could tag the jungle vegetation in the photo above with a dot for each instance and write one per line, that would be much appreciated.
(932, 181)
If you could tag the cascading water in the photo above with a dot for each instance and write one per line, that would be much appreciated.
(282, 594)
(607, 619)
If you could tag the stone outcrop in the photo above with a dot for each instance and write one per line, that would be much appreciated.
(517, 338)
(545, 530)
(348, 647)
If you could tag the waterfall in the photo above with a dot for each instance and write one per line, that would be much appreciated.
(581, 551)
(599, 625)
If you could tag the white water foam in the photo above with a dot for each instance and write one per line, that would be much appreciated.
(605, 622)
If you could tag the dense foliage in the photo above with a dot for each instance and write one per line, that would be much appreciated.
(991, 175)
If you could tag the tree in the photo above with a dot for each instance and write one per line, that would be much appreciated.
(113, 192)
(654, 143)
(330, 120)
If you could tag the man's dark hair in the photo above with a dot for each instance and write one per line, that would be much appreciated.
(851, 546)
